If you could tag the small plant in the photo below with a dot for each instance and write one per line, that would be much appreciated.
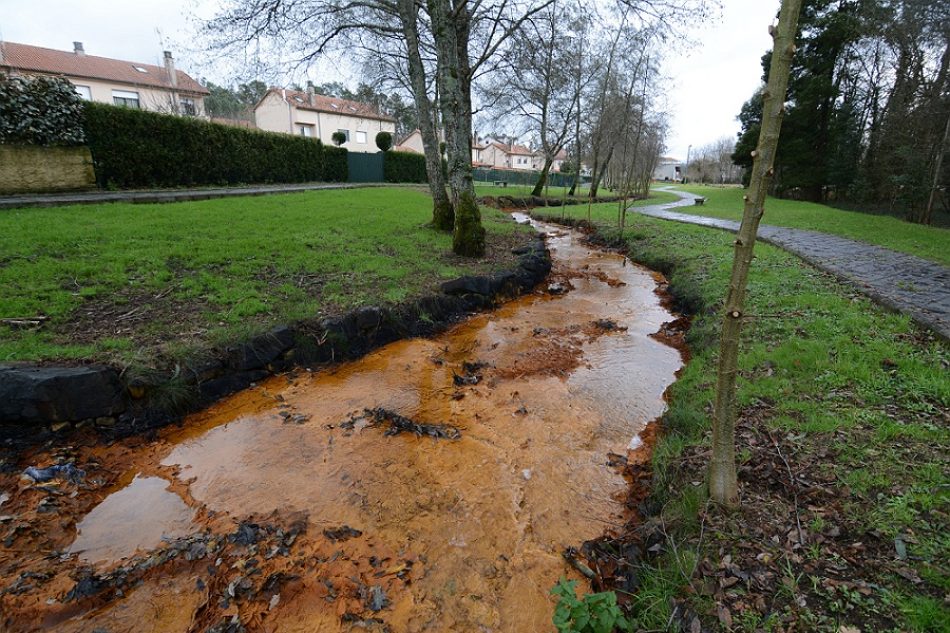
(384, 141)
(338, 138)
(594, 613)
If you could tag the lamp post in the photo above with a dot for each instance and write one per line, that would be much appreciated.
(685, 179)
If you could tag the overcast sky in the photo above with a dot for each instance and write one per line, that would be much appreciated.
(708, 82)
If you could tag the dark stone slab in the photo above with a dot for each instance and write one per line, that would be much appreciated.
(30, 394)
(214, 389)
(468, 285)
(261, 350)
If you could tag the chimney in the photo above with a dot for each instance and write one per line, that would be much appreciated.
(78, 49)
(170, 69)
(310, 91)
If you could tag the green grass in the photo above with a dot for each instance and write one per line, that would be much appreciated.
(132, 279)
(838, 374)
(923, 241)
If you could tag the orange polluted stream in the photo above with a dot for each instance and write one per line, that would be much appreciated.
(447, 535)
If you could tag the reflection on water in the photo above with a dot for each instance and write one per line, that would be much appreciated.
(137, 517)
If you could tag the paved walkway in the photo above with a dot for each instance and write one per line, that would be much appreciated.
(908, 284)
(162, 195)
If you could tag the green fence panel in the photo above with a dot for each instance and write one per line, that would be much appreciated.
(365, 167)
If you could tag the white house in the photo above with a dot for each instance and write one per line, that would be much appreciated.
(103, 79)
(669, 170)
(318, 116)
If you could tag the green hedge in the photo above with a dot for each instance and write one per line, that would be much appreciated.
(404, 167)
(39, 111)
(132, 148)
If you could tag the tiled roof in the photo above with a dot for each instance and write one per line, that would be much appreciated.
(24, 57)
(322, 103)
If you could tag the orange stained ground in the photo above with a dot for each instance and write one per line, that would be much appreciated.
(457, 535)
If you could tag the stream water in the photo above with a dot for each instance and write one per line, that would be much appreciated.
(287, 508)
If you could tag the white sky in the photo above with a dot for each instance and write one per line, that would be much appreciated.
(707, 86)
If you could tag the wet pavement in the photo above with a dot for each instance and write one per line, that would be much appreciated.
(430, 486)
(914, 286)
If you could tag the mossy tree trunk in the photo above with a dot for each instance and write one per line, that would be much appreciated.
(443, 215)
(543, 177)
(723, 487)
(451, 29)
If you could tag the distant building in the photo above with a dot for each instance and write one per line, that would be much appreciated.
(107, 80)
(669, 170)
(318, 116)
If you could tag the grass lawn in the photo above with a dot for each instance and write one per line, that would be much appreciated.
(843, 431)
(135, 282)
(923, 241)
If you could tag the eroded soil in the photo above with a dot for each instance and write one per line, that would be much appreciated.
(311, 502)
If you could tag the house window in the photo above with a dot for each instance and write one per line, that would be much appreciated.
(345, 133)
(188, 106)
(305, 130)
(125, 99)
(361, 137)
(84, 91)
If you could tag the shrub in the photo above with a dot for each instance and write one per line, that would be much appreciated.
(132, 148)
(404, 167)
(384, 141)
(338, 138)
(39, 111)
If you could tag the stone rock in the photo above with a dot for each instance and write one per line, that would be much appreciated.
(214, 389)
(368, 318)
(468, 285)
(30, 394)
(261, 350)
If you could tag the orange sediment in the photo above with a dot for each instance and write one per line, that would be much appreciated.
(440, 535)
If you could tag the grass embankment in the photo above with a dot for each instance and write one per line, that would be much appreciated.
(138, 283)
(843, 445)
(927, 242)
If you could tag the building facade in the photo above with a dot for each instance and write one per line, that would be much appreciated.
(113, 81)
(318, 116)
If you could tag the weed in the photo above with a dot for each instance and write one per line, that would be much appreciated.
(594, 613)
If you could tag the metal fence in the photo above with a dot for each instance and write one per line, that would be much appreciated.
(365, 167)
(525, 178)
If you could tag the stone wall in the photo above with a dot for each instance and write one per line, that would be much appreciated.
(33, 169)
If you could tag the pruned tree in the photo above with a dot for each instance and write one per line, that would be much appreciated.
(723, 486)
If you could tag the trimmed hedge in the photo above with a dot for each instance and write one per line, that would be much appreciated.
(39, 111)
(132, 148)
(404, 167)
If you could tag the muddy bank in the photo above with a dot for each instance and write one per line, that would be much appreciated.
(433, 484)
(38, 402)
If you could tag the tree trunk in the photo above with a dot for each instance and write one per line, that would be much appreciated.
(543, 178)
(443, 215)
(599, 173)
(450, 28)
(722, 468)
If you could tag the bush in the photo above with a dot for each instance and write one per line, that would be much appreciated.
(404, 167)
(384, 141)
(39, 111)
(132, 148)
(338, 138)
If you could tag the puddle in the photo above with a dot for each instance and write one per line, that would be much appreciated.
(476, 525)
(137, 517)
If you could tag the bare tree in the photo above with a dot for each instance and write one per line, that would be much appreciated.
(537, 83)
(723, 486)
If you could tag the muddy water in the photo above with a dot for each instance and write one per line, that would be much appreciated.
(387, 532)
